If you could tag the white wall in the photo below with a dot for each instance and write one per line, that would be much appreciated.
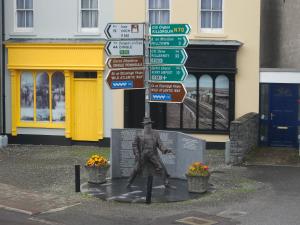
(57, 19)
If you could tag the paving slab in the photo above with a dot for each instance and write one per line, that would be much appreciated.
(18, 200)
(194, 218)
(116, 190)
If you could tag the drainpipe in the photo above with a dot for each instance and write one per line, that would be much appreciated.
(3, 131)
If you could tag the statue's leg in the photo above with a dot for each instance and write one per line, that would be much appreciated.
(133, 174)
(160, 167)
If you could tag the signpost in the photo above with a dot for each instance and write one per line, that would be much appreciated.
(125, 48)
(168, 73)
(167, 92)
(170, 29)
(125, 62)
(126, 79)
(124, 31)
(164, 60)
(169, 41)
(168, 56)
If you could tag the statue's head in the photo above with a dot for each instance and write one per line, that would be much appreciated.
(147, 122)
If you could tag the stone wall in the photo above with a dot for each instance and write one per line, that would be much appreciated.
(243, 137)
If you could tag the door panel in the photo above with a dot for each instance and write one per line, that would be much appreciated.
(283, 115)
(85, 117)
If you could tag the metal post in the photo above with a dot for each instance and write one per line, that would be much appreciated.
(77, 178)
(149, 189)
(147, 62)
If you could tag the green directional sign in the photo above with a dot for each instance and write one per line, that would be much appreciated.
(169, 29)
(168, 73)
(169, 41)
(167, 56)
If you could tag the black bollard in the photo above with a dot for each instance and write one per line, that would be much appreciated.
(77, 178)
(149, 189)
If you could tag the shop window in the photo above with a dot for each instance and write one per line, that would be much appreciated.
(206, 106)
(211, 15)
(24, 14)
(27, 99)
(159, 11)
(58, 97)
(89, 15)
(40, 92)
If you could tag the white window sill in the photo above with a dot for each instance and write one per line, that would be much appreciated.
(209, 35)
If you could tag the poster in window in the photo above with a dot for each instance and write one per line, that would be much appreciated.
(58, 97)
(190, 103)
(205, 102)
(222, 103)
(42, 97)
(27, 97)
(173, 116)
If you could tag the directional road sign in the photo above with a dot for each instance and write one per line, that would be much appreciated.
(125, 48)
(168, 73)
(126, 79)
(169, 29)
(167, 92)
(167, 56)
(125, 62)
(124, 31)
(169, 41)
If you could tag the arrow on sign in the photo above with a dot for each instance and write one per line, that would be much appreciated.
(169, 41)
(125, 62)
(124, 48)
(168, 73)
(170, 29)
(167, 92)
(126, 79)
(167, 56)
(124, 30)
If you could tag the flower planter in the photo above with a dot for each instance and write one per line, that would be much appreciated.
(97, 175)
(198, 184)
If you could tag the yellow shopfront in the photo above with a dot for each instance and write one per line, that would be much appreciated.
(58, 87)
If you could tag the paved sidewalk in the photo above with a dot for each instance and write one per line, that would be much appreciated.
(40, 179)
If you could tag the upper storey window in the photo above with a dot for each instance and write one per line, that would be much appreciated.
(89, 15)
(24, 15)
(159, 11)
(211, 15)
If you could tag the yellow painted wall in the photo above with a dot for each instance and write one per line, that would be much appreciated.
(241, 22)
(66, 57)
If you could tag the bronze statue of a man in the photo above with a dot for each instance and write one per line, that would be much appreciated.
(145, 151)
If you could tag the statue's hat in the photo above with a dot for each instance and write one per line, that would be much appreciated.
(147, 120)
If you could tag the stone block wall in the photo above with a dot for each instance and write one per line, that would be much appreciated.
(243, 137)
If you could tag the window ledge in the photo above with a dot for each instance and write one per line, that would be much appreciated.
(84, 34)
(209, 35)
(22, 33)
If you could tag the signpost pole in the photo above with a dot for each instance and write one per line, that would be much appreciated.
(147, 63)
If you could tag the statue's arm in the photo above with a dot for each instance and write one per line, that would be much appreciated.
(161, 146)
(135, 147)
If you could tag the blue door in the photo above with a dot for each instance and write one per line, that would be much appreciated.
(283, 116)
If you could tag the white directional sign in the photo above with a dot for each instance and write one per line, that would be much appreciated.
(125, 48)
(124, 31)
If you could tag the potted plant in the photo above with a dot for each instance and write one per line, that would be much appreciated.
(197, 177)
(97, 167)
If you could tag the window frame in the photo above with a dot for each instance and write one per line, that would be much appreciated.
(148, 11)
(35, 123)
(210, 30)
(23, 29)
(92, 30)
(231, 110)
